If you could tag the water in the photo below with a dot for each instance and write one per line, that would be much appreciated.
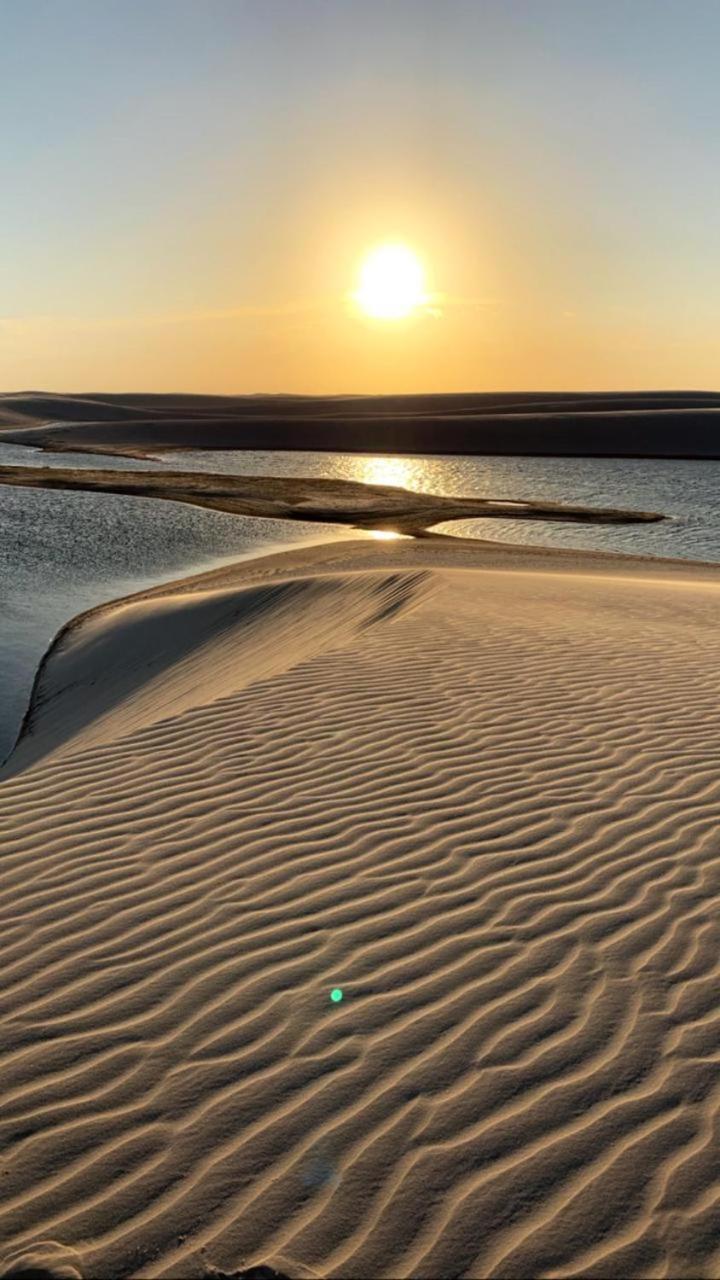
(61, 553)
(684, 490)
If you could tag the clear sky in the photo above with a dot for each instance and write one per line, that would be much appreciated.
(188, 187)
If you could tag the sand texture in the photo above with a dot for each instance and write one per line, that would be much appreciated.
(477, 791)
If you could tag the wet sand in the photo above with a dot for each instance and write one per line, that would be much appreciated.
(338, 501)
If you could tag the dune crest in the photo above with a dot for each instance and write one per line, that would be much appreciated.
(483, 804)
(672, 424)
(123, 668)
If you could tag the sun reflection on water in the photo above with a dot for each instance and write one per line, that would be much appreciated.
(403, 473)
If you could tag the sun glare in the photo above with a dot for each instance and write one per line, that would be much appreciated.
(392, 283)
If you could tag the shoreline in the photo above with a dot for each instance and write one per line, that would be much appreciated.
(542, 424)
(312, 559)
(116, 601)
(384, 449)
(344, 502)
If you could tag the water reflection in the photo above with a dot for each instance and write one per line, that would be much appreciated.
(420, 473)
(682, 489)
(402, 473)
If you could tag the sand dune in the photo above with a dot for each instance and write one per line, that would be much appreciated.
(477, 791)
(669, 424)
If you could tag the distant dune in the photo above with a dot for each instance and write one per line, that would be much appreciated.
(662, 424)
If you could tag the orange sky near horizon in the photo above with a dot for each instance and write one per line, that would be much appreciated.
(190, 213)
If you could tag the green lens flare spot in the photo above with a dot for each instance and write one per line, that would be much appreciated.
(336, 995)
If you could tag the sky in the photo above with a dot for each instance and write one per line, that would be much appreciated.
(189, 187)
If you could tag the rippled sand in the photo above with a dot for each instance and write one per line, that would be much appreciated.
(476, 791)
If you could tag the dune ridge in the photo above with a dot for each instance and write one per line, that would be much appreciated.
(665, 424)
(476, 790)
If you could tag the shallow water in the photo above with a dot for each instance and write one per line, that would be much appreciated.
(684, 490)
(61, 553)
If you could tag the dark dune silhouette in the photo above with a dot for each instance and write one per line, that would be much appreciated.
(671, 424)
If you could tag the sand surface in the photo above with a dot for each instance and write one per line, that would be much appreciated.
(341, 501)
(478, 791)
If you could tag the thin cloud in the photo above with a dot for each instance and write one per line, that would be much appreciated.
(22, 325)
(438, 304)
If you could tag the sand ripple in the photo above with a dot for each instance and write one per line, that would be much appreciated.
(486, 806)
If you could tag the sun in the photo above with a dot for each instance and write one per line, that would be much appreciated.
(391, 283)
